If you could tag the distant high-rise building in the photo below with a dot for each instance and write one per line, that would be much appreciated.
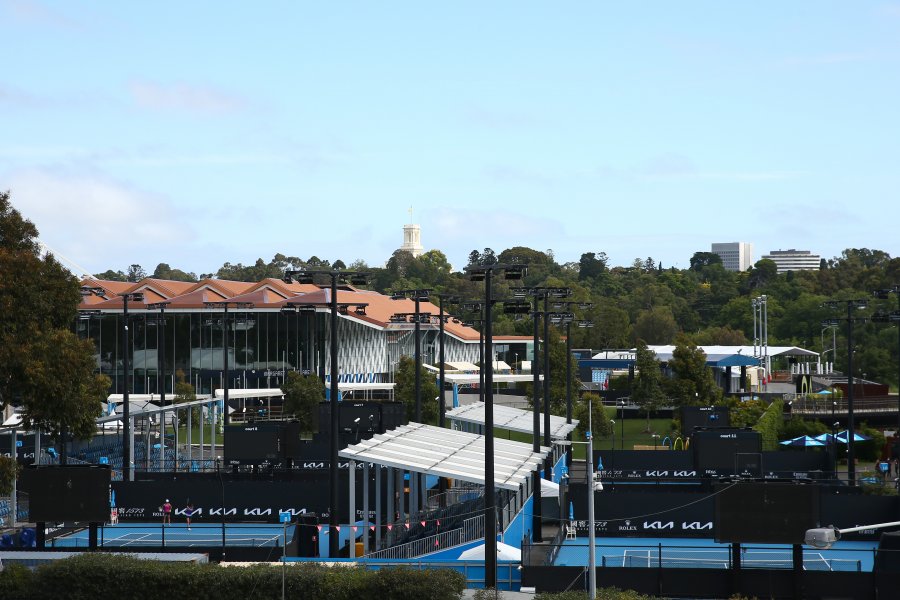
(736, 256)
(412, 238)
(794, 260)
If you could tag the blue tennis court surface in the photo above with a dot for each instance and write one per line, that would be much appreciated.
(200, 534)
(701, 553)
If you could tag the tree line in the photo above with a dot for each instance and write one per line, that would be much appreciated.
(645, 301)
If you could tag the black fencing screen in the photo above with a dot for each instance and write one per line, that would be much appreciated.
(715, 450)
(765, 512)
(704, 416)
(78, 493)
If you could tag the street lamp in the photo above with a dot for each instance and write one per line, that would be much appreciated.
(850, 319)
(161, 332)
(127, 450)
(622, 424)
(226, 375)
(478, 307)
(893, 317)
(485, 273)
(544, 293)
(612, 454)
(417, 296)
(442, 318)
(833, 348)
(355, 278)
(760, 306)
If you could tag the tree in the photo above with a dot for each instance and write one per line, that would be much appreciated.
(44, 367)
(111, 275)
(693, 383)
(184, 392)
(64, 395)
(405, 390)
(302, 395)
(656, 326)
(591, 265)
(721, 336)
(164, 271)
(764, 271)
(599, 417)
(704, 259)
(647, 390)
(9, 470)
(135, 273)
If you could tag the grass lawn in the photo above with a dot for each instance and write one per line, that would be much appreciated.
(635, 435)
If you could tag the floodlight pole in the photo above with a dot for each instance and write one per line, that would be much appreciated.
(333, 522)
(892, 317)
(334, 496)
(418, 359)
(490, 518)
(127, 436)
(569, 374)
(592, 566)
(225, 374)
(127, 473)
(536, 510)
(442, 410)
(548, 462)
(851, 304)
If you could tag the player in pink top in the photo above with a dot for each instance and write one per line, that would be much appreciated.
(167, 512)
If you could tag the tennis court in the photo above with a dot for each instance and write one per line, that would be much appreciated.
(178, 535)
(704, 553)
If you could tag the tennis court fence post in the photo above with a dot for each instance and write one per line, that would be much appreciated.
(659, 571)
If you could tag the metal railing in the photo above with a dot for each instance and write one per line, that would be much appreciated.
(814, 404)
(509, 512)
(471, 530)
(453, 496)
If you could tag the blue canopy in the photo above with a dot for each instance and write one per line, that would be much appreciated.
(803, 441)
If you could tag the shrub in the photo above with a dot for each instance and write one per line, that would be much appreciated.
(90, 575)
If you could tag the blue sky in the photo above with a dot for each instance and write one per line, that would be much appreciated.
(203, 132)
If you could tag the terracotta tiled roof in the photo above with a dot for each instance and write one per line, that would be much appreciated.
(268, 294)
(288, 289)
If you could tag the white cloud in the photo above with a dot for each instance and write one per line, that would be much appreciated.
(19, 98)
(38, 13)
(95, 221)
(184, 97)
(834, 58)
(512, 174)
(676, 167)
(891, 9)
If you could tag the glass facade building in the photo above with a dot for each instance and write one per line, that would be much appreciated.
(263, 342)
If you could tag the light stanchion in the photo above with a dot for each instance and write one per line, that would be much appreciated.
(127, 433)
(851, 305)
(485, 273)
(892, 317)
(355, 278)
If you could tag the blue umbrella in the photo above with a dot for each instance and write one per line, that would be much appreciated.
(571, 511)
(826, 438)
(857, 437)
(803, 441)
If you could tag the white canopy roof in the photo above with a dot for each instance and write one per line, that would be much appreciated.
(664, 353)
(447, 453)
(462, 378)
(462, 366)
(514, 419)
(250, 393)
(504, 552)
